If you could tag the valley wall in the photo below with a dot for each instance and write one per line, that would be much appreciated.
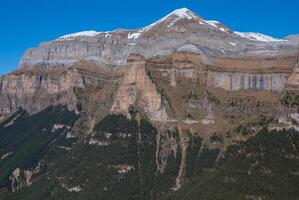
(248, 81)
(180, 88)
(34, 89)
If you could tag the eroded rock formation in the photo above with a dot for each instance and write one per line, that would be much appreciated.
(203, 87)
(137, 89)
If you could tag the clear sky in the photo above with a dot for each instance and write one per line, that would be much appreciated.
(26, 23)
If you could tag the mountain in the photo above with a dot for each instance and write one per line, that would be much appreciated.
(184, 108)
(170, 34)
(258, 37)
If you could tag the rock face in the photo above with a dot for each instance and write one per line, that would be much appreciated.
(15, 182)
(104, 48)
(181, 70)
(22, 89)
(181, 30)
(249, 81)
(163, 102)
(137, 89)
(293, 80)
(81, 87)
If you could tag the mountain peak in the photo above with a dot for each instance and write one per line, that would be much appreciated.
(178, 14)
(183, 13)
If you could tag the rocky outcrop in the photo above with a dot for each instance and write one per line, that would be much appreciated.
(293, 80)
(35, 89)
(202, 87)
(15, 180)
(179, 69)
(104, 48)
(23, 178)
(248, 81)
(136, 89)
(212, 98)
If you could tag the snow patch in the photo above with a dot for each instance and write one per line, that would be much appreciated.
(80, 34)
(212, 23)
(258, 37)
(183, 13)
(216, 24)
(134, 35)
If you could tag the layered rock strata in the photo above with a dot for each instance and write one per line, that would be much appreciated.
(137, 89)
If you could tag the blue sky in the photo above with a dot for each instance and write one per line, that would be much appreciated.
(26, 23)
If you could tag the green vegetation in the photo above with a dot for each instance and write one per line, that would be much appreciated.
(28, 138)
(121, 167)
(118, 161)
(263, 167)
(193, 153)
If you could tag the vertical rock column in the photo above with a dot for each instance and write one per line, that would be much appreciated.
(293, 80)
(138, 90)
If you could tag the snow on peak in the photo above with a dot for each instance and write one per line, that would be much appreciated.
(183, 13)
(135, 35)
(212, 22)
(217, 25)
(257, 37)
(79, 34)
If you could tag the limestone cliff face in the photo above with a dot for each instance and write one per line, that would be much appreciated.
(212, 98)
(136, 89)
(181, 87)
(37, 91)
(37, 88)
(248, 81)
(201, 85)
(105, 48)
(293, 80)
(181, 68)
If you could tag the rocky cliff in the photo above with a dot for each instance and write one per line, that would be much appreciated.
(174, 96)
(137, 89)
(186, 45)
(181, 30)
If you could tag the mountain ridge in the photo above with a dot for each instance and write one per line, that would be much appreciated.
(180, 27)
(182, 108)
(181, 12)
